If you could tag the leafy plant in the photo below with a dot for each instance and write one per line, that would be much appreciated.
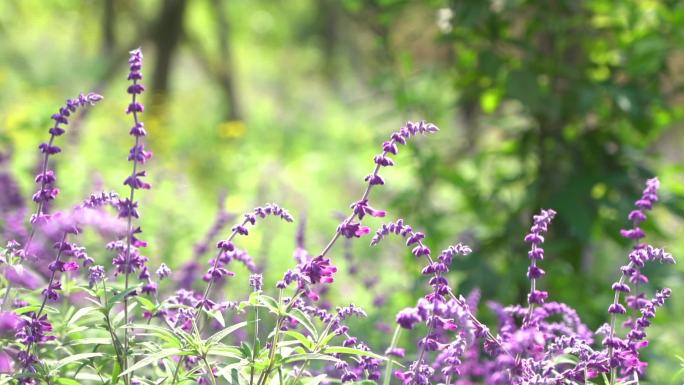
(117, 326)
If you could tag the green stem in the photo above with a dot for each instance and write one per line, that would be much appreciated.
(115, 340)
(276, 336)
(393, 344)
(211, 374)
(175, 372)
(256, 338)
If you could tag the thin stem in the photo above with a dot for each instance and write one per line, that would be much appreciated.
(299, 373)
(50, 282)
(613, 316)
(533, 288)
(129, 236)
(211, 280)
(115, 340)
(211, 374)
(39, 211)
(175, 372)
(471, 317)
(393, 344)
(276, 336)
(205, 295)
(256, 338)
(351, 217)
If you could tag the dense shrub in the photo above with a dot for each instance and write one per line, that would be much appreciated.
(111, 323)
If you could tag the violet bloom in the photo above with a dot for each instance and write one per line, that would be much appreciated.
(163, 271)
(6, 363)
(96, 274)
(407, 318)
(535, 237)
(9, 321)
(217, 268)
(20, 276)
(318, 270)
(350, 229)
(256, 282)
(34, 329)
(46, 178)
(623, 353)
(129, 259)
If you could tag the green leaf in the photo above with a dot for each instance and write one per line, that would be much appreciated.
(304, 320)
(67, 381)
(307, 343)
(226, 352)
(325, 339)
(309, 357)
(217, 315)
(34, 308)
(353, 351)
(156, 357)
(119, 297)
(82, 312)
(119, 316)
(158, 331)
(225, 332)
(91, 341)
(228, 369)
(76, 358)
(146, 303)
(270, 303)
(116, 370)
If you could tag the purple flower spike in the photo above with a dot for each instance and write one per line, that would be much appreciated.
(540, 225)
(407, 318)
(163, 271)
(46, 178)
(319, 270)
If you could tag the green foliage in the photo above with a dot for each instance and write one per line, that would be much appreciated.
(563, 104)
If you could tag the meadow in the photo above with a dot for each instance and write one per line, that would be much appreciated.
(321, 192)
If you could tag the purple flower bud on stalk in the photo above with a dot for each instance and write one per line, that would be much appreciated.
(539, 226)
(256, 282)
(96, 274)
(163, 271)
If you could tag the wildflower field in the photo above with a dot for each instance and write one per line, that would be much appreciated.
(341, 192)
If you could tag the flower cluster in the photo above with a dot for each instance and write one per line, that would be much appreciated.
(46, 178)
(623, 354)
(160, 330)
(442, 312)
(129, 259)
(536, 253)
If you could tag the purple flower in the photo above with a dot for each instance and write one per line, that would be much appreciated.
(540, 225)
(96, 274)
(407, 318)
(9, 321)
(33, 329)
(163, 271)
(318, 270)
(256, 282)
(361, 209)
(46, 178)
(352, 229)
(6, 363)
(22, 277)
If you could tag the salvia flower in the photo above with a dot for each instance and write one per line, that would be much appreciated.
(163, 271)
(256, 282)
(536, 253)
(46, 178)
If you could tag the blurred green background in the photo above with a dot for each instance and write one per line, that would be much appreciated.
(569, 105)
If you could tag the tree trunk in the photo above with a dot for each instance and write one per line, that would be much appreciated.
(169, 31)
